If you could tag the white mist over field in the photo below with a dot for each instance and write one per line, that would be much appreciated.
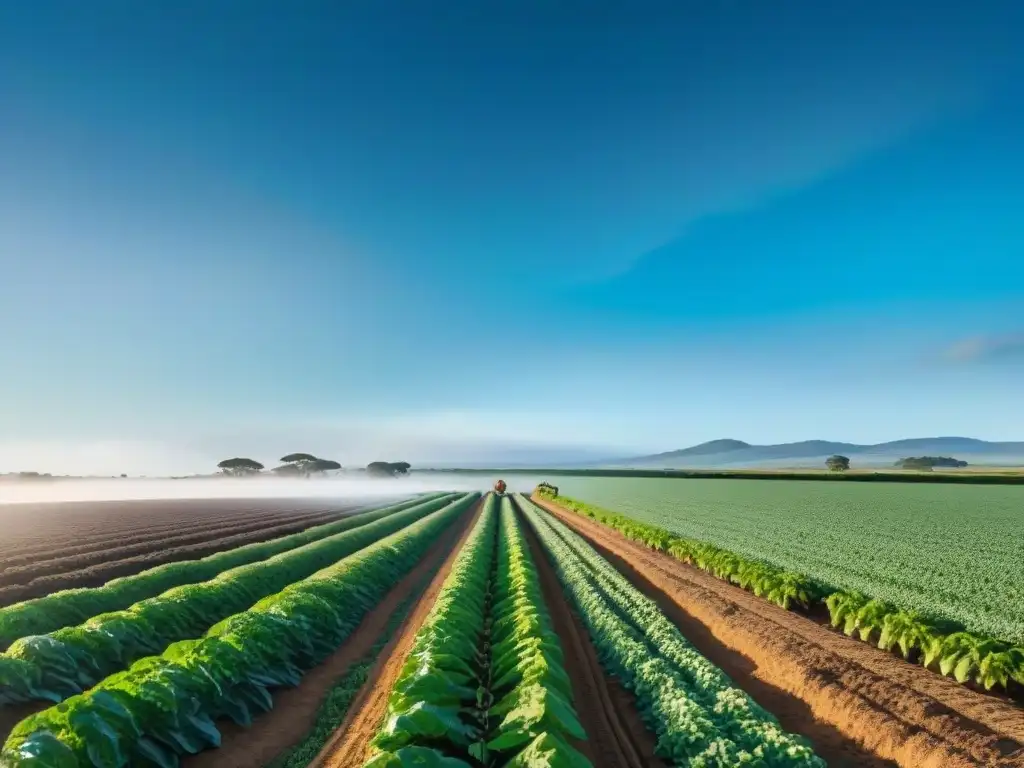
(69, 490)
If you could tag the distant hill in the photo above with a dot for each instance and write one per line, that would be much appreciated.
(710, 448)
(812, 453)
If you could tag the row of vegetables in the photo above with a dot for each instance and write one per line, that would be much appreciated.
(699, 717)
(937, 644)
(166, 705)
(69, 660)
(68, 607)
(485, 682)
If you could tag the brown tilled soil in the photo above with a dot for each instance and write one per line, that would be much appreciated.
(350, 744)
(52, 526)
(75, 559)
(31, 553)
(868, 698)
(72, 575)
(616, 737)
(295, 709)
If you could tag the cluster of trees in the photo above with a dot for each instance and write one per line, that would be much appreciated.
(27, 476)
(838, 463)
(306, 465)
(927, 463)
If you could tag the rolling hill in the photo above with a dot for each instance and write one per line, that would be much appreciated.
(812, 453)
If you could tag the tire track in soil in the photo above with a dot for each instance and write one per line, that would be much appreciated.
(295, 709)
(616, 736)
(897, 711)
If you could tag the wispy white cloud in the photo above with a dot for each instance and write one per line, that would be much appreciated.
(987, 349)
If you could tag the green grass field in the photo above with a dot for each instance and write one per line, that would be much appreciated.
(953, 552)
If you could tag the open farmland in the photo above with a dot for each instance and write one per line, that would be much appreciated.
(50, 547)
(463, 632)
(946, 551)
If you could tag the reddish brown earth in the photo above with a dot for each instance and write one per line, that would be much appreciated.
(616, 737)
(894, 711)
(350, 744)
(53, 572)
(295, 709)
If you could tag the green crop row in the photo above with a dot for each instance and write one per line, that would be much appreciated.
(73, 606)
(484, 683)
(65, 662)
(964, 655)
(339, 699)
(699, 717)
(940, 645)
(167, 705)
(782, 587)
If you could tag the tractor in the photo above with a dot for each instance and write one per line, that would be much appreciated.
(499, 488)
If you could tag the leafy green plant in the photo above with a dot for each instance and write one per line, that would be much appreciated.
(434, 701)
(73, 606)
(784, 588)
(948, 553)
(485, 682)
(697, 714)
(940, 642)
(70, 660)
(336, 705)
(167, 705)
(907, 629)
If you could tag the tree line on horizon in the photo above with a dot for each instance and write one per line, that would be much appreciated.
(307, 465)
(840, 463)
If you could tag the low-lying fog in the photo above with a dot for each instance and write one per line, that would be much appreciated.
(60, 490)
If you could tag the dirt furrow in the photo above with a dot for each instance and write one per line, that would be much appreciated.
(295, 709)
(616, 737)
(350, 744)
(897, 711)
(50, 527)
(99, 574)
(22, 574)
(143, 534)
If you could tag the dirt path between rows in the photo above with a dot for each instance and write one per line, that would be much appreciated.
(295, 709)
(897, 711)
(616, 737)
(350, 744)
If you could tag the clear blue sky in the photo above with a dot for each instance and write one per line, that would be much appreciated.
(256, 227)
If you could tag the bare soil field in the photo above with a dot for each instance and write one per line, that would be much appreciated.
(844, 695)
(78, 522)
(131, 541)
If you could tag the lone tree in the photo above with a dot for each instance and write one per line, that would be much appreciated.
(837, 463)
(322, 466)
(299, 463)
(240, 467)
(303, 465)
(295, 458)
(388, 468)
